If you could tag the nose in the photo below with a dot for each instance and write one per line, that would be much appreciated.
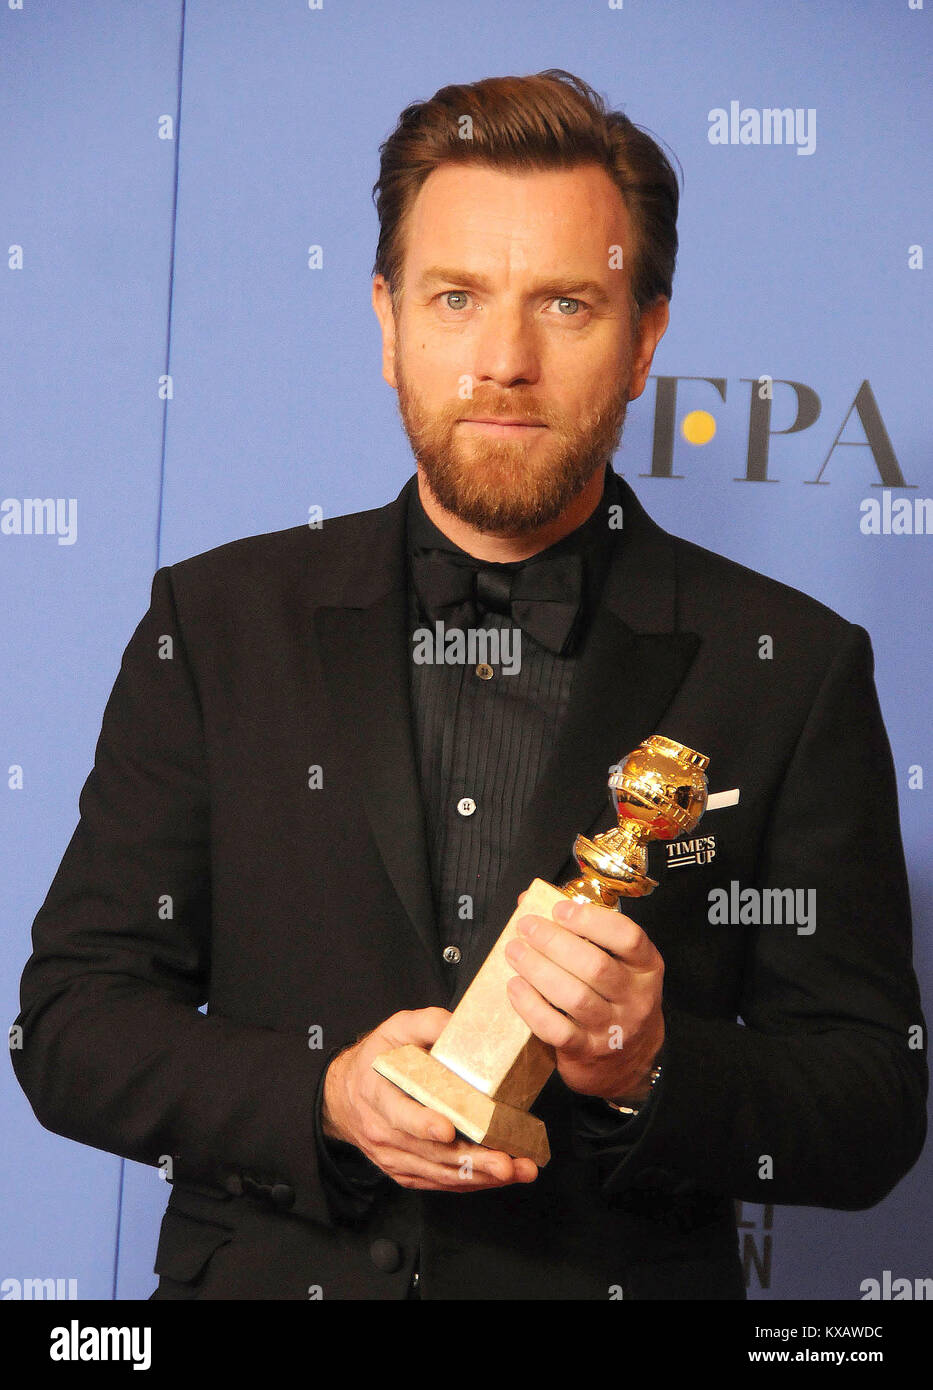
(506, 351)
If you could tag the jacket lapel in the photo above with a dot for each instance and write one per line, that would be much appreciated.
(363, 655)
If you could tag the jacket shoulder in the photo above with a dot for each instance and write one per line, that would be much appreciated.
(717, 591)
(275, 562)
(271, 550)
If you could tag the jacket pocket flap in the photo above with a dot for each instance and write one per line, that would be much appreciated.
(186, 1244)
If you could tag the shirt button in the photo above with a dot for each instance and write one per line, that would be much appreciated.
(386, 1255)
(452, 955)
(484, 671)
(466, 806)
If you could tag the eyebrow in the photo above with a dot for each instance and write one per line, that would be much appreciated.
(569, 287)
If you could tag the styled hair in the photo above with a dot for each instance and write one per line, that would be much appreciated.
(549, 120)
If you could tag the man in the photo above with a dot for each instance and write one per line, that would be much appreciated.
(299, 819)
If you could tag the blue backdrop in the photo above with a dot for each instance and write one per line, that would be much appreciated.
(177, 375)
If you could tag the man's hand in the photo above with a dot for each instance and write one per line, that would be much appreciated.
(589, 983)
(415, 1146)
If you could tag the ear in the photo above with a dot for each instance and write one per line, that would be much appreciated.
(382, 304)
(650, 331)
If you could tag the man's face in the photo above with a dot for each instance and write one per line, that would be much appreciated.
(516, 304)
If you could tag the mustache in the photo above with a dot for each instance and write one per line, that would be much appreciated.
(480, 410)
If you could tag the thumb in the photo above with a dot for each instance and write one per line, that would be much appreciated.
(420, 1026)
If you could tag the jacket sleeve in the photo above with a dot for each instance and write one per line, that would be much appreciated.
(815, 1095)
(115, 1050)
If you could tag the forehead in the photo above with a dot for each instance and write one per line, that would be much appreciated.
(553, 217)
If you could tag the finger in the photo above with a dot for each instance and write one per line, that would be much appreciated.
(559, 987)
(465, 1176)
(578, 956)
(458, 1151)
(611, 930)
(421, 1026)
(426, 1132)
(407, 1115)
(545, 1021)
(462, 1158)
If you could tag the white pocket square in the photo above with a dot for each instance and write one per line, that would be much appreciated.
(718, 799)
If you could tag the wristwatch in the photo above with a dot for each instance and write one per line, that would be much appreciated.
(632, 1107)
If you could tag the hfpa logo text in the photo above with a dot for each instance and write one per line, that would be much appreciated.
(699, 426)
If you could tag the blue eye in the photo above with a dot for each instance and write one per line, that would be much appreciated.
(564, 299)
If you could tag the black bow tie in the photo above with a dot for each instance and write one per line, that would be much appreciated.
(542, 597)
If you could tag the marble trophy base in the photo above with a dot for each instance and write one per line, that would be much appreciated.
(487, 1067)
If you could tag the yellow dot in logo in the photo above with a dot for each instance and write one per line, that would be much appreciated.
(698, 427)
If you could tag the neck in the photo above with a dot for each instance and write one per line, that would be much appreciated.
(498, 549)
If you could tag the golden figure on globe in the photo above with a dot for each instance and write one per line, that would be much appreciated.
(487, 1067)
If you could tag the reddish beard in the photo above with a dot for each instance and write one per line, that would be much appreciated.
(508, 487)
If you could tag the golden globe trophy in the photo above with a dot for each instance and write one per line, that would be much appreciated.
(487, 1067)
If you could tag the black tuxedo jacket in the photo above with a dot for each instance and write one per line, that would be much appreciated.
(212, 864)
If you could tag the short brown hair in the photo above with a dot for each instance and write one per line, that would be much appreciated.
(549, 120)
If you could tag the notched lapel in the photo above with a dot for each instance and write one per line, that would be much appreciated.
(362, 650)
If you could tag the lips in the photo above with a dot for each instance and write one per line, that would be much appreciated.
(502, 420)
